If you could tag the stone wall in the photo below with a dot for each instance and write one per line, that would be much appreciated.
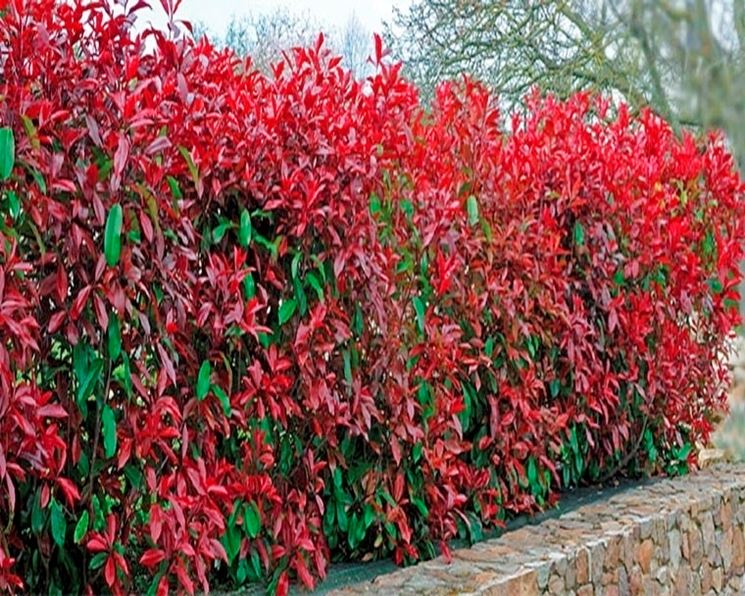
(679, 536)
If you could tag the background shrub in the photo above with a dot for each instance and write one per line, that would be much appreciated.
(254, 323)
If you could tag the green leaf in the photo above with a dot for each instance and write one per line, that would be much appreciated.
(37, 514)
(232, 543)
(219, 232)
(108, 421)
(175, 188)
(375, 205)
(579, 234)
(31, 132)
(253, 520)
(406, 263)
(256, 566)
(416, 452)
(249, 287)
(532, 473)
(715, 285)
(14, 205)
(420, 311)
(573, 442)
(472, 206)
(465, 415)
(81, 528)
(244, 231)
(98, 560)
(112, 242)
(709, 244)
(7, 152)
(126, 375)
(224, 399)
(190, 164)
(286, 310)
(272, 247)
(99, 521)
(341, 516)
(203, 380)
(475, 528)
(133, 475)
(423, 394)
(486, 229)
(38, 178)
(347, 367)
(352, 534)
(58, 522)
(294, 266)
(420, 505)
(265, 340)
(684, 450)
(115, 337)
(358, 320)
(300, 297)
(315, 284)
(650, 446)
(85, 389)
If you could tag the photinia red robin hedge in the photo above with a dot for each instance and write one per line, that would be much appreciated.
(253, 323)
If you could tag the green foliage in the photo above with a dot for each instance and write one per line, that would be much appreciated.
(112, 235)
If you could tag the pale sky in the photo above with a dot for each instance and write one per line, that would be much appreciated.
(331, 14)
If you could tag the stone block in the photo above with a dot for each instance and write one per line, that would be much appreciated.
(519, 584)
(738, 548)
(612, 558)
(707, 530)
(717, 579)
(695, 547)
(644, 553)
(705, 575)
(597, 555)
(674, 552)
(583, 566)
(636, 581)
(726, 549)
(556, 586)
(726, 515)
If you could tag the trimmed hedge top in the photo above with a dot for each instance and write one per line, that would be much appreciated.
(251, 324)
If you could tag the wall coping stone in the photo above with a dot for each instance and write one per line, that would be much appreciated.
(674, 534)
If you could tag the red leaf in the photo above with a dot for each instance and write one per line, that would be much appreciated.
(72, 495)
(302, 571)
(152, 557)
(183, 578)
(97, 544)
(110, 571)
(80, 301)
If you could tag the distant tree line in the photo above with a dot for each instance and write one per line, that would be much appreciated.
(264, 36)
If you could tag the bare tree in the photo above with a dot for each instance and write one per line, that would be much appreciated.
(355, 45)
(682, 57)
(264, 36)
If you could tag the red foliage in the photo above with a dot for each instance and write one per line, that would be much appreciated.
(253, 322)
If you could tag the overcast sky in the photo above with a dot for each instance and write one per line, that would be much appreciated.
(331, 14)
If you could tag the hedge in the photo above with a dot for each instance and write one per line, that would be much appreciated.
(255, 323)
